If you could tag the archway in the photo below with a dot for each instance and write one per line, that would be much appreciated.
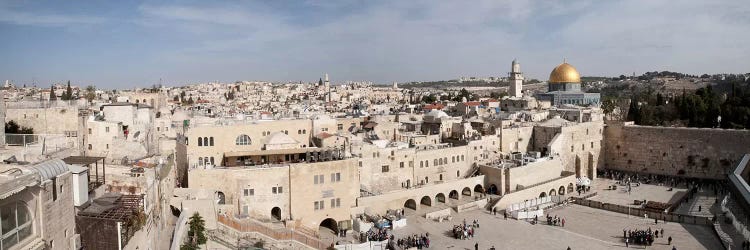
(578, 167)
(329, 224)
(478, 188)
(552, 192)
(571, 188)
(561, 190)
(453, 195)
(276, 213)
(222, 198)
(440, 198)
(426, 201)
(542, 195)
(466, 191)
(492, 189)
(410, 203)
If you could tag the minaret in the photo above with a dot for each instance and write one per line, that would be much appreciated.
(516, 79)
(328, 88)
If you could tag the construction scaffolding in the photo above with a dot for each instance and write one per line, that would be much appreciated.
(100, 223)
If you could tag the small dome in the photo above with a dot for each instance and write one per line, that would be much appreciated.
(435, 113)
(564, 73)
(279, 138)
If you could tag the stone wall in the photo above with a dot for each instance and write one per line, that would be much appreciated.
(688, 152)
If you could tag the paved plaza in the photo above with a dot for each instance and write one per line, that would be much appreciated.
(621, 196)
(585, 228)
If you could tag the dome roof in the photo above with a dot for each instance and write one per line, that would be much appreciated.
(279, 138)
(435, 113)
(564, 73)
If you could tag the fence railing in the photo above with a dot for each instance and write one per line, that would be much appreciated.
(281, 234)
(21, 139)
(640, 212)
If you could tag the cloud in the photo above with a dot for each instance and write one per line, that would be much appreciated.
(49, 20)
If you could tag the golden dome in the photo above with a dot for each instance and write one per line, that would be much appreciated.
(564, 73)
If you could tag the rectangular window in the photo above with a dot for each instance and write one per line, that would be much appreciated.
(317, 206)
(322, 205)
(273, 190)
(280, 190)
(385, 168)
(249, 192)
(89, 130)
(333, 177)
(401, 164)
(90, 147)
(340, 126)
(338, 202)
(333, 203)
(316, 179)
(322, 179)
(107, 146)
(592, 144)
(106, 129)
(421, 164)
(338, 177)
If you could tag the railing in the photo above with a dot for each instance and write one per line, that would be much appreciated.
(280, 234)
(544, 182)
(640, 212)
(21, 139)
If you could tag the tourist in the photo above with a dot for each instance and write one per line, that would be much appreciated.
(626, 242)
(476, 246)
(669, 240)
(563, 222)
(662, 232)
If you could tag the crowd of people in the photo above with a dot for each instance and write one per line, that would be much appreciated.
(642, 237)
(418, 241)
(377, 234)
(465, 231)
(555, 221)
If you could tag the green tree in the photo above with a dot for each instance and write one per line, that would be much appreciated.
(196, 233)
(52, 96)
(68, 95)
(429, 98)
(11, 127)
(90, 93)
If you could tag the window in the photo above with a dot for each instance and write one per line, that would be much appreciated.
(273, 190)
(249, 192)
(106, 129)
(89, 130)
(304, 131)
(211, 139)
(592, 144)
(384, 168)
(421, 164)
(338, 177)
(571, 149)
(200, 161)
(435, 163)
(401, 164)
(317, 205)
(280, 189)
(90, 147)
(299, 131)
(316, 179)
(212, 161)
(107, 145)
(322, 179)
(242, 140)
(340, 126)
(322, 205)
(200, 142)
(16, 224)
(426, 163)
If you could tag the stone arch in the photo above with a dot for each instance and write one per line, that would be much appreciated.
(466, 191)
(561, 190)
(426, 201)
(578, 166)
(276, 213)
(331, 224)
(492, 189)
(478, 188)
(571, 188)
(410, 203)
(552, 192)
(221, 198)
(542, 195)
(440, 197)
(453, 195)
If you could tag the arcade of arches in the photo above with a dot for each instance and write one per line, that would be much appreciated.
(416, 202)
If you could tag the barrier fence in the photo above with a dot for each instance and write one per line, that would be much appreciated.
(640, 212)
(280, 234)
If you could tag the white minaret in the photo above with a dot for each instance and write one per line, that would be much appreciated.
(327, 85)
(516, 79)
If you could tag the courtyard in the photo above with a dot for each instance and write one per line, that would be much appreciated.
(585, 228)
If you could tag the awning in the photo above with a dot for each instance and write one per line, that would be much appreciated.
(273, 152)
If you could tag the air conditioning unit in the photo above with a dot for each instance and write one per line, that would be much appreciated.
(75, 242)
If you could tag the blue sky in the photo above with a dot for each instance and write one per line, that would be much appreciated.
(122, 44)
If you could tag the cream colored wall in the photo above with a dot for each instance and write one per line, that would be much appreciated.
(102, 141)
(304, 192)
(53, 120)
(515, 139)
(225, 137)
(379, 204)
(579, 146)
(534, 192)
(534, 173)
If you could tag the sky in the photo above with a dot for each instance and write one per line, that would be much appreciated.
(125, 44)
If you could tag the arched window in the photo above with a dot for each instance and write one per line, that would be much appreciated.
(211, 140)
(212, 161)
(200, 142)
(304, 131)
(205, 141)
(242, 140)
(16, 224)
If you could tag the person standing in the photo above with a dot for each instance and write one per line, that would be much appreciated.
(563, 222)
(476, 246)
(669, 240)
(626, 242)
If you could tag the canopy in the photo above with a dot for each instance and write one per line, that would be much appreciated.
(583, 181)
